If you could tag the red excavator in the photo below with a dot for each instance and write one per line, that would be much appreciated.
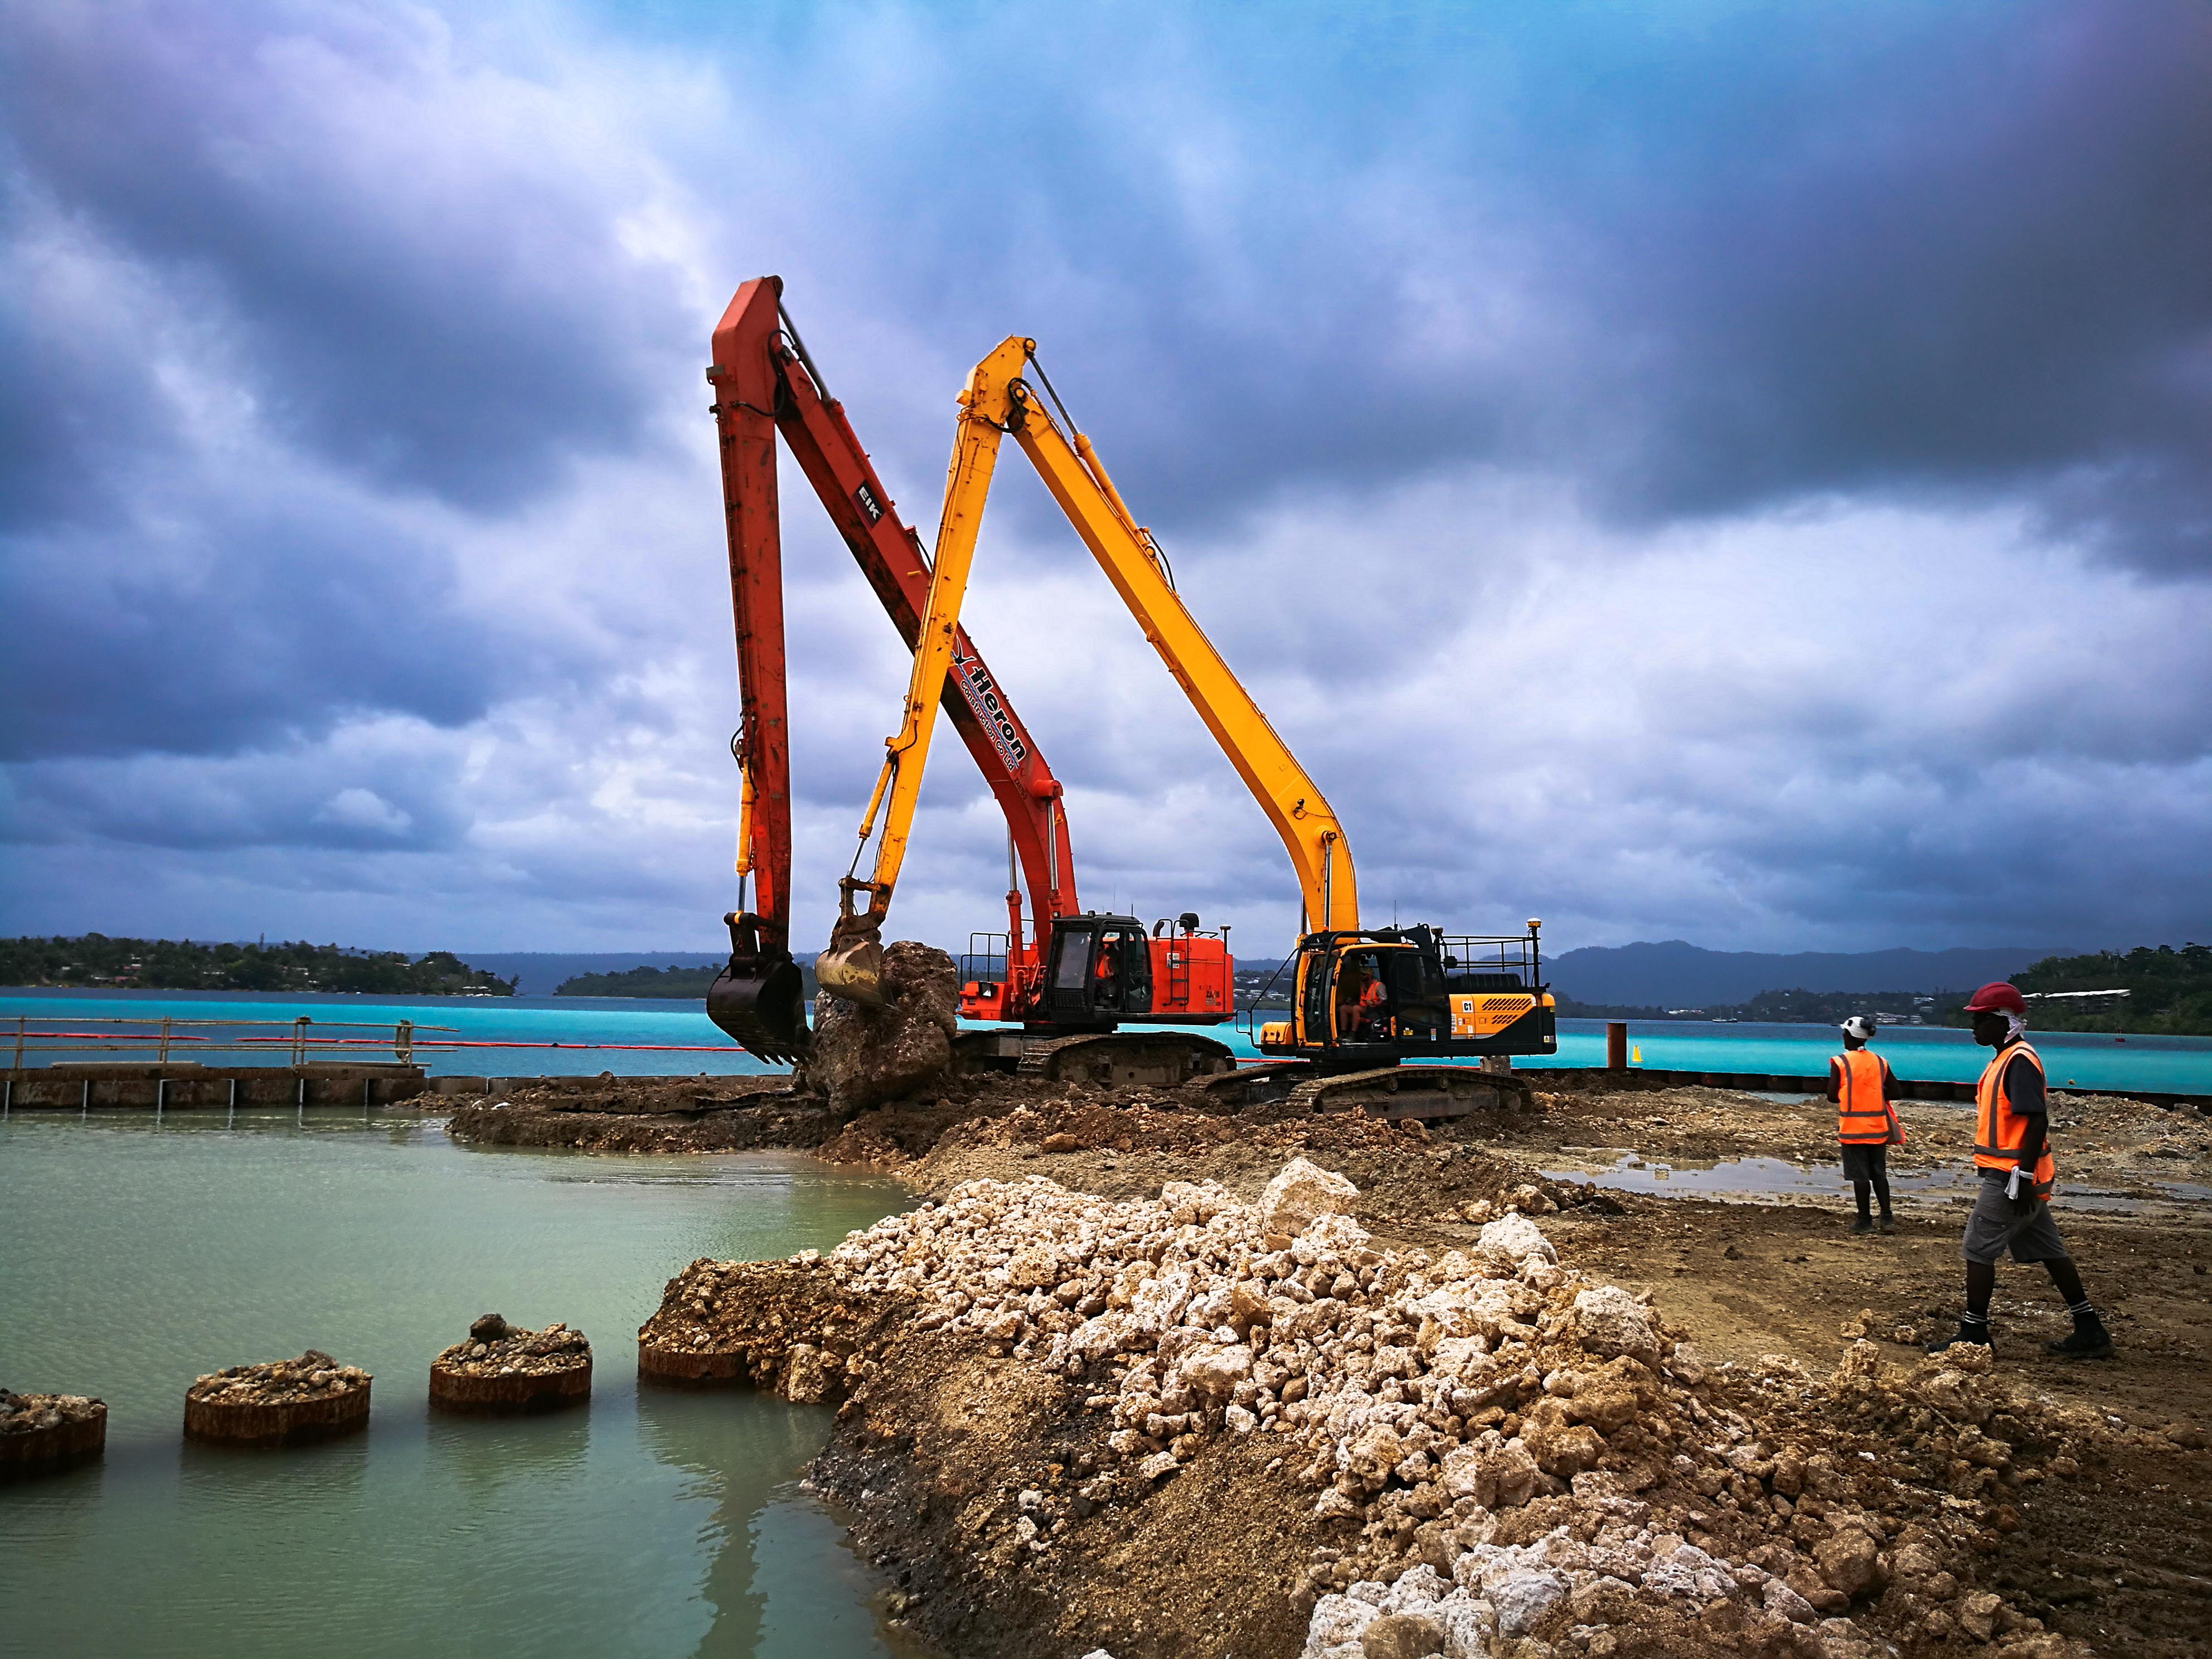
(1104, 969)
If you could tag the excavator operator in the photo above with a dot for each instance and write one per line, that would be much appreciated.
(1363, 1006)
(1106, 971)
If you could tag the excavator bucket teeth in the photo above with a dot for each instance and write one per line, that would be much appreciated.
(854, 971)
(762, 1003)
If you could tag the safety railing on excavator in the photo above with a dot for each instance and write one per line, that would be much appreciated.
(1512, 962)
(985, 959)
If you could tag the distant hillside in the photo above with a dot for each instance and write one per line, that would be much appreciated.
(670, 982)
(1677, 974)
(540, 973)
(676, 981)
(1791, 1007)
(94, 959)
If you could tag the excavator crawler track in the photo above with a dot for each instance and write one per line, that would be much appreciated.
(1429, 1092)
(1163, 1059)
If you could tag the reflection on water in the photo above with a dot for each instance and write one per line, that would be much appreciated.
(666, 1524)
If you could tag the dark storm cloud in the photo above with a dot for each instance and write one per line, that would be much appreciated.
(1944, 253)
(407, 253)
(233, 626)
(1540, 400)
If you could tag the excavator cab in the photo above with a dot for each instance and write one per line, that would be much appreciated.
(1098, 968)
(1374, 999)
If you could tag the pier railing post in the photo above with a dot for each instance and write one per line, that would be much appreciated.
(1616, 1045)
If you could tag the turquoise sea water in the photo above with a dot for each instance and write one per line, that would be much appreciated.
(680, 1039)
(652, 1523)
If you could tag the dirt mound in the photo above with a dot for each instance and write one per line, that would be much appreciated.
(730, 1115)
(1484, 1446)
(1125, 1143)
(740, 1321)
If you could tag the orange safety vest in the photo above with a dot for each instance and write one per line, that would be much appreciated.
(1862, 1119)
(1998, 1129)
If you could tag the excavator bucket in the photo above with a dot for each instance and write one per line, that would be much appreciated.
(853, 966)
(760, 998)
(854, 971)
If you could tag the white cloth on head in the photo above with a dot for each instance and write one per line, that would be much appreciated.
(2015, 1027)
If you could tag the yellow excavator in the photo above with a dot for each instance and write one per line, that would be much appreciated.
(1362, 1000)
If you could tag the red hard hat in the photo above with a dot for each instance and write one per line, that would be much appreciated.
(1997, 997)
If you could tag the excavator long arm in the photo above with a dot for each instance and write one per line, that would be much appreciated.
(765, 383)
(996, 399)
(1072, 472)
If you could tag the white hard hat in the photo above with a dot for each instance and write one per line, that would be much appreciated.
(1859, 1026)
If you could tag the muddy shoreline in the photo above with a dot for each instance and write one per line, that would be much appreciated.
(936, 1456)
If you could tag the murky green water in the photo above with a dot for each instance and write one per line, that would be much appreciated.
(133, 1259)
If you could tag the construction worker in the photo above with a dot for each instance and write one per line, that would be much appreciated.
(2012, 1155)
(1862, 1085)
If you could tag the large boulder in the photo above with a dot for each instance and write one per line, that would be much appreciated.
(865, 1056)
(1609, 1321)
(1300, 1194)
(1512, 1239)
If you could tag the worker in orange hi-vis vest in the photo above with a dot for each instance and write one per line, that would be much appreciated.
(2012, 1155)
(1861, 1086)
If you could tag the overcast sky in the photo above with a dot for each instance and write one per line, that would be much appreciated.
(1732, 473)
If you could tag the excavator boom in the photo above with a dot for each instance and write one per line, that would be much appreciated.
(1071, 469)
(1363, 1000)
(997, 400)
(766, 384)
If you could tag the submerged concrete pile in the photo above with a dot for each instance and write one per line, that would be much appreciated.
(278, 1402)
(503, 1367)
(40, 1432)
(1492, 1449)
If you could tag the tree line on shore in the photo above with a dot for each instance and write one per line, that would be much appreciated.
(97, 960)
(2169, 995)
(2169, 989)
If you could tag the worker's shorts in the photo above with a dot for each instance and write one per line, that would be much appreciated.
(1864, 1162)
(1993, 1229)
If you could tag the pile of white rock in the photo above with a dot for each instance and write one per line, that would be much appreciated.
(1422, 1401)
(1280, 1318)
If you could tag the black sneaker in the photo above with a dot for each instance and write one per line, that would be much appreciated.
(2090, 1340)
(1888, 1226)
(1861, 1226)
(1969, 1336)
